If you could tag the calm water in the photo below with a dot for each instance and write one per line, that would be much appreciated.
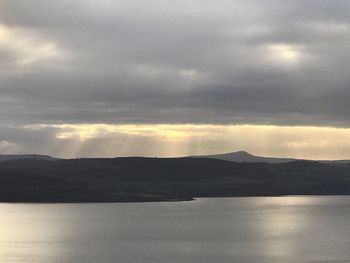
(271, 229)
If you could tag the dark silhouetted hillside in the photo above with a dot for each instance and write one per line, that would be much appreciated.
(156, 179)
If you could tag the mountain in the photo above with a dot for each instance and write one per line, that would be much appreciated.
(6, 157)
(245, 157)
(164, 179)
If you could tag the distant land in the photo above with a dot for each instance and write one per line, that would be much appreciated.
(135, 179)
(245, 157)
(9, 157)
(239, 157)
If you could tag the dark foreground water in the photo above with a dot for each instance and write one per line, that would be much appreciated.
(263, 229)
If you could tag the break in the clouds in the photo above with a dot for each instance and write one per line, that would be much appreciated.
(172, 62)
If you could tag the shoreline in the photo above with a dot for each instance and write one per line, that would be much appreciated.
(169, 200)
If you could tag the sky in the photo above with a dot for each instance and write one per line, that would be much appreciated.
(88, 78)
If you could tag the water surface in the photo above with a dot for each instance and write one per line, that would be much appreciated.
(245, 230)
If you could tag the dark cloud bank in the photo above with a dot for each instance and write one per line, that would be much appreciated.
(189, 61)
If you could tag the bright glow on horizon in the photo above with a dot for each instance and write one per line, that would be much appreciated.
(172, 140)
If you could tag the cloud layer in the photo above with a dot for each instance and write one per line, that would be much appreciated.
(174, 62)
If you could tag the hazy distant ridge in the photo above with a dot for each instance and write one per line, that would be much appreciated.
(9, 157)
(245, 157)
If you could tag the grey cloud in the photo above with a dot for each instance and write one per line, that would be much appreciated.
(184, 62)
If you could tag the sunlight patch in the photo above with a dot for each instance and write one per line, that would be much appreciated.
(285, 54)
(27, 47)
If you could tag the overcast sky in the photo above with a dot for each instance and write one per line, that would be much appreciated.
(69, 68)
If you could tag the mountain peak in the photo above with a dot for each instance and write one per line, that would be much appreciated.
(241, 153)
(246, 157)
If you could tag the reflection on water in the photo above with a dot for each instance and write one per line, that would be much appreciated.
(262, 229)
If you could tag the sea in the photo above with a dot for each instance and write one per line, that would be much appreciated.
(288, 229)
